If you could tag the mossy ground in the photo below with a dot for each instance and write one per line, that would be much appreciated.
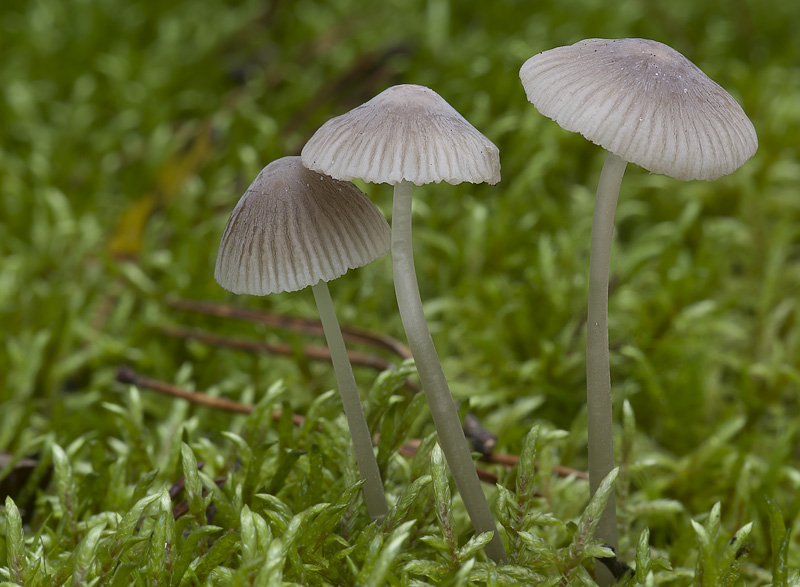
(130, 129)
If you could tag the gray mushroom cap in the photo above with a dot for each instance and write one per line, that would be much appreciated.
(644, 102)
(294, 227)
(405, 133)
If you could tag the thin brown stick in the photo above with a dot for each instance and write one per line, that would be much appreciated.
(292, 323)
(318, 353)
(509, 461)
(313, 352)
(479, 437)
(128, 375)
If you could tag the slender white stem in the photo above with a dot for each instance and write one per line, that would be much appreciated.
(441, 403)
(359, 432)
(598, 371)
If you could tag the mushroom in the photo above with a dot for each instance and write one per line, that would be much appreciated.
(645, 103)
(409, 135)
(293, 228)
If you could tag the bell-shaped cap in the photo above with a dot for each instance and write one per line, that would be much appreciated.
(294, 227)
(405, 133)
(644, 102)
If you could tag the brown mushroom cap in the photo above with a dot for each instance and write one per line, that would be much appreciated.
(644, 102)
(405, 133)
(294, 227)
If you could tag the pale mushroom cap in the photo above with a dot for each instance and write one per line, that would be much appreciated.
(644, 102)
(294, 227)
(405, 133)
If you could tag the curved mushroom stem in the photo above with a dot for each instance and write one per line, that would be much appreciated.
(598, 371)
(443, 408)
(359, 431)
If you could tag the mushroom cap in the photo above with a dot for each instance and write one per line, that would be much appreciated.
(405, 133)
(294, 227)
(644, 102)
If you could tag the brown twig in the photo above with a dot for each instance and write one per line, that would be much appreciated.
(292, 323)
(509, 461)
(317, 353)
(617, 567)
(128, 375)
(313, 352)
(479, 437)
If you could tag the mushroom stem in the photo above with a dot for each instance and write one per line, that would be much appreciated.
(359, 431)
(598, 372)
(443, 408)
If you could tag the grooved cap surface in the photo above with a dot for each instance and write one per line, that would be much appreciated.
(405, 133)
(294, 227)
(644, 102)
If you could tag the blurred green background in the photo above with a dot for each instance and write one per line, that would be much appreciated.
(128, 131)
